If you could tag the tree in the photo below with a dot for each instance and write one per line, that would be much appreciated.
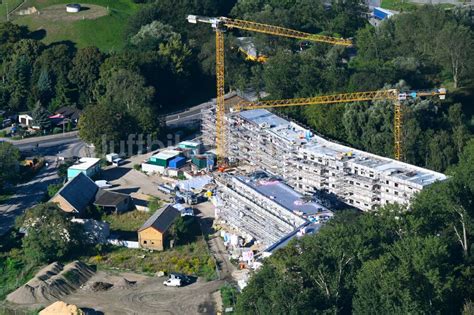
(9, 34)
(41, 117)
(150, 36)
(455, 44)
(44, 87)
(104, 126)
(414, 276)
(18, 81)
(279, 75)
(127, 91)
(85, 72)
(57, 59)
(179, 230)
(50, 234)
(9, 157)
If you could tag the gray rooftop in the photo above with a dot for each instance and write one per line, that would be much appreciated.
(79, 192)
(263, 116)
(162, 219)
(107, 198)
(282, 194)
(322, 147)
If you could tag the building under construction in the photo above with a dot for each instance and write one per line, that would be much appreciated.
(262, 207)
(312, 164)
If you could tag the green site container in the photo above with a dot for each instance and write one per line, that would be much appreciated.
(159, 162)
(200, 161)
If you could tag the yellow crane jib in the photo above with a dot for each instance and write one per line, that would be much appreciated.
(225, 22)
(391, 94)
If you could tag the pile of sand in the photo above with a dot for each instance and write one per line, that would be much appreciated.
(123, 283)
(51, 283)
(61, 308)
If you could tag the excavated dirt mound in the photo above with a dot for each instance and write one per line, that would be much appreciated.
(123, 283)
(51, 283)
(101, 286)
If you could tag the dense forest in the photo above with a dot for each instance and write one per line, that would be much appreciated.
(168, 64)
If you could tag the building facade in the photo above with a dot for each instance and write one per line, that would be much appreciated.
(310, 163)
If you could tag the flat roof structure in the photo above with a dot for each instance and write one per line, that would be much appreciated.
(284, 195)
(189, 143)
(166, 154)
(85, 163)
(319, 146)
(262, 206)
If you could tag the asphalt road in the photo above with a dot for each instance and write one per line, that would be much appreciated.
(45, 142)
(27, 195)
(31, 193)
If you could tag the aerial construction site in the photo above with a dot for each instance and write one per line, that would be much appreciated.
(276, 178)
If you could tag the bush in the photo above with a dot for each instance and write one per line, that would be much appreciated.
(229, 295)
(57, 130)
(137, 167)
(53, 189)
(154, 203)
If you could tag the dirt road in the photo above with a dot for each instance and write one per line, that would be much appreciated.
(150, 297)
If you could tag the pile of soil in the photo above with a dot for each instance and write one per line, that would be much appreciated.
(123, 283)
(101, 286)
(51, 283)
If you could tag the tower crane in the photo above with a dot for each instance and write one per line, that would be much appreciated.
(220, 25)
(391, 94)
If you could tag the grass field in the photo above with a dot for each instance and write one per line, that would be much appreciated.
(128, 222)
(397, 5)
(11, 4)
(406, 5)
(105, 32)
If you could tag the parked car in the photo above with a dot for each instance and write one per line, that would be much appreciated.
(103, 184)
(117, 162)
(7, 123)
(172, 282)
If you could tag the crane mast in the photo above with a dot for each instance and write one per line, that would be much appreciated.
(220, 24)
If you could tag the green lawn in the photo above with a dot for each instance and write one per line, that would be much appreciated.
(127, 222)
(11, 4)
(105, 32)
(398, 5)
(406, 5)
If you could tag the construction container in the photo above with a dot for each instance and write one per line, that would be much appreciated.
(194, 146)
(200, 161)
(157, 161)
(177, 162)
(163, 158)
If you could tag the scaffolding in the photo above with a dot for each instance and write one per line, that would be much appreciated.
(312, 164)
